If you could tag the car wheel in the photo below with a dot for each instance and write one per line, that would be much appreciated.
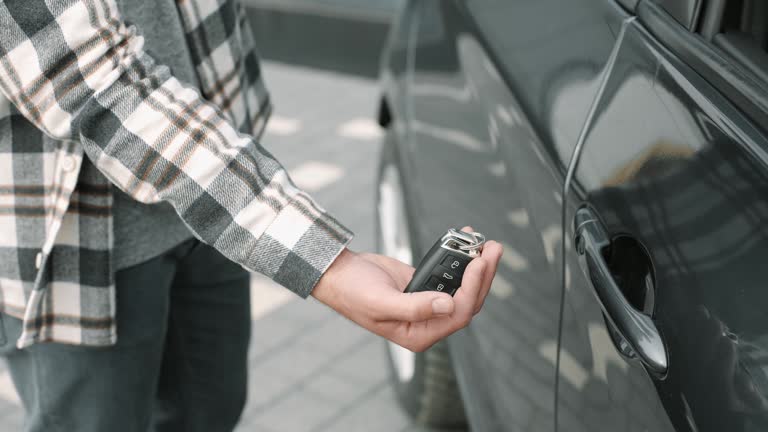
(425, 383)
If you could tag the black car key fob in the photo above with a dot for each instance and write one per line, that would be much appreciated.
(443, 266)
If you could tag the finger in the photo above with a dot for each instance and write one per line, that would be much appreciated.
(471, 285)
(468, 229)
(492, 253)
(413, 307)
(420, 335)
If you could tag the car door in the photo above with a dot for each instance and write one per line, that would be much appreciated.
(665, 321)
(498, 93)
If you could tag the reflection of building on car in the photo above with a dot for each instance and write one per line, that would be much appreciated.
(652, 116)
(656, 157)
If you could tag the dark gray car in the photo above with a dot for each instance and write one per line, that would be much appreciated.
(618, 150)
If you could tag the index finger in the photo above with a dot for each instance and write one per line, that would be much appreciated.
(492, 254)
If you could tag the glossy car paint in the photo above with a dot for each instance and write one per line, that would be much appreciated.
(465, 96)
(489, 99)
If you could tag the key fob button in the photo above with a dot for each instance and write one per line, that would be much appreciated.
(447, 276)
(455, 264)
(435, 284)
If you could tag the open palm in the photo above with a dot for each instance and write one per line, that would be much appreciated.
(368, 289)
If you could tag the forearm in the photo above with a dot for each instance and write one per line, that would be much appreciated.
(79, 73)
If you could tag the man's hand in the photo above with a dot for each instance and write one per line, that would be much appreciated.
(368, 289)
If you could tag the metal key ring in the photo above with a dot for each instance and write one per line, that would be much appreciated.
(476, 240)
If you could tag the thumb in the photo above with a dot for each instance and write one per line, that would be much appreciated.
(415, 307)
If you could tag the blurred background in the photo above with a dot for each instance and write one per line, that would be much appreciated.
(502, 101)
(320, 63)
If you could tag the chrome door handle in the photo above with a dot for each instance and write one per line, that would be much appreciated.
(637, 328)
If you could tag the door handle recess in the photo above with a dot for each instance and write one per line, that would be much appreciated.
(635, 327)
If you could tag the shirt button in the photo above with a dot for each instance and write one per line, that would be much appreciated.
(38, 260)
(68, 163)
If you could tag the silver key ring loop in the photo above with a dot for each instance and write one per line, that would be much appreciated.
(474, 240)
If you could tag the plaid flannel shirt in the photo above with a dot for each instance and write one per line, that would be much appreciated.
(83, 108)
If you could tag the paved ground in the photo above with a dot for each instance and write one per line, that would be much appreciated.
(323, 132)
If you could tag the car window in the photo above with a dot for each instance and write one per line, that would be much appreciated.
(727, 45)
(684, 11)
(739, 29)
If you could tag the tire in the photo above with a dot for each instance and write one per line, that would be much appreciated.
(425, 383)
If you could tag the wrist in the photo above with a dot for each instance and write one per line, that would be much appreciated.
(325, 290)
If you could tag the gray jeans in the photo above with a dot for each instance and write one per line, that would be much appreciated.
(180, 363)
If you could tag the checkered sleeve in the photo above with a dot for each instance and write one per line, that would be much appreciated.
(78, 72)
